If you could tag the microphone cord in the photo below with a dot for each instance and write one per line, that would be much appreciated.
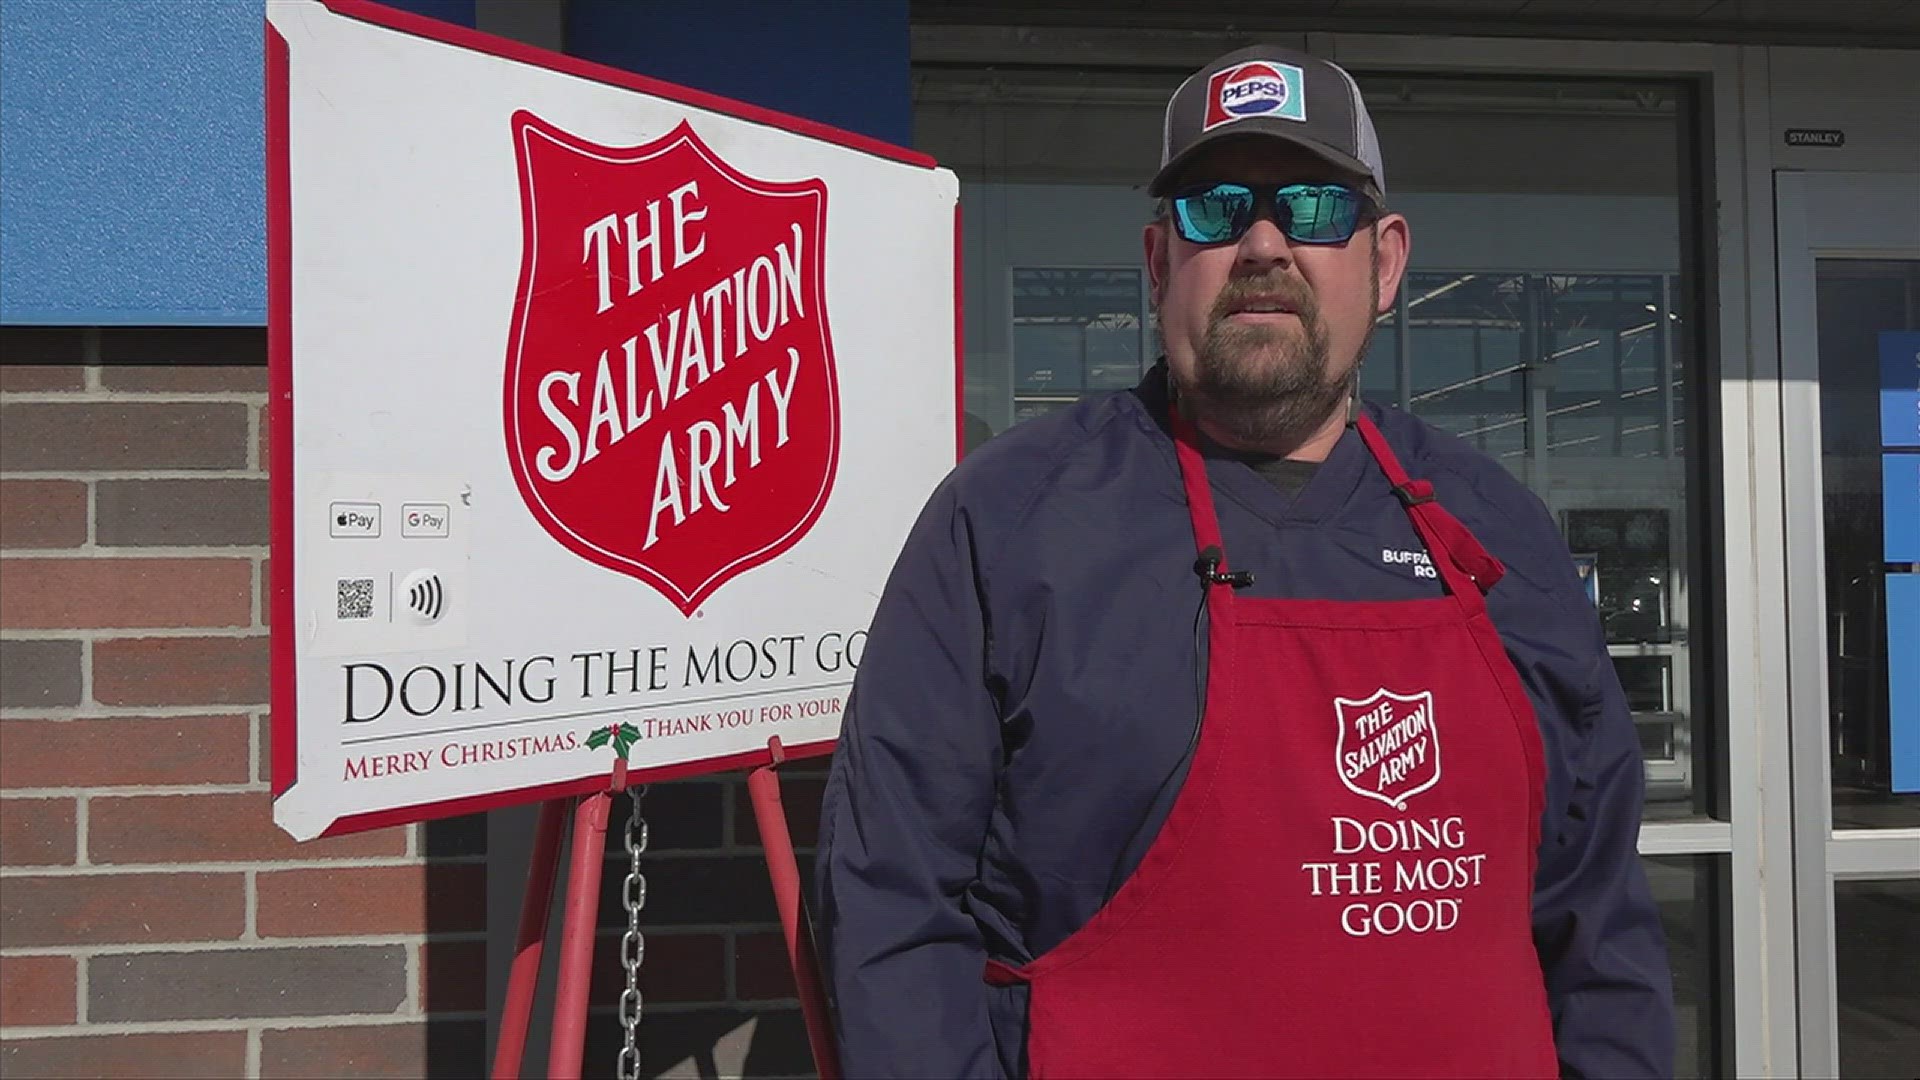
(1202, 660)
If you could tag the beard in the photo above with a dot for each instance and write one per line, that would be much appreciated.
(1268, 386)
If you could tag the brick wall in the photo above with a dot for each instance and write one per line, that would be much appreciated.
(153, 921)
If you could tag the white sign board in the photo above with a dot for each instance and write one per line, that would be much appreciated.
(600, 409)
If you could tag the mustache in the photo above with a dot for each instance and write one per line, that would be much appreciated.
(1241, 291)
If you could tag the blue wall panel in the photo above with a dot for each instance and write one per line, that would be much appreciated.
(1903, 679)
(1900, 388)
(842, 62)
(132, 174)
(1900, 505)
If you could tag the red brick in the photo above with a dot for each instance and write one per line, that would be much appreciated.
(678, 968)
(37, 990)
(123, 909)
(760, 968)
(30, 378)
(37, 832)
(800, 794)
(180, 671)
(436, 1048)
(184, 379)
(43, 513)
(264, 461)
(83, 593)
(68, 436)
(225, 512)
(39, 674)
(187, 1054)
(437, 897)
(236, 827)
(453, 976)
(219, 984)
(157, 750)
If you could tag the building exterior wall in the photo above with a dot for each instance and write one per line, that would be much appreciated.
(153, 920)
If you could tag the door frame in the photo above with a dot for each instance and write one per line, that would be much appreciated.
(1823, 215)
(1740, 501)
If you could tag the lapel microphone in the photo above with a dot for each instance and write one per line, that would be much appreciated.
(1208, 567)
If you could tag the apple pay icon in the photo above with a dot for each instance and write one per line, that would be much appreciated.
(353, 519)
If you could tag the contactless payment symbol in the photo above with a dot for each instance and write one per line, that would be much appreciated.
(1387, 748)
(1254, 89)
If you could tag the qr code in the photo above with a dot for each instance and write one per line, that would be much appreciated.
(356, 598)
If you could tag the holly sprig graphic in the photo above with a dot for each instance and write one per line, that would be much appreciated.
(621, 735)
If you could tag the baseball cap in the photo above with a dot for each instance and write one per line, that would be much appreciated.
(1273, 91)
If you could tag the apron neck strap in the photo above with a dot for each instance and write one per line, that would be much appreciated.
(1468, 569)
(1193, 475)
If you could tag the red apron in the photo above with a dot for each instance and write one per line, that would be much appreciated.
(1325, 899)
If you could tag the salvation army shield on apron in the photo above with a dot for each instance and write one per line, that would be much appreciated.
(1344, 884)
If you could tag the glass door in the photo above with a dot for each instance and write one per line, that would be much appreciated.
(1565, 341)
(1849, 278)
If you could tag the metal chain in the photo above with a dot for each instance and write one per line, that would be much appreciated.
(633, 947)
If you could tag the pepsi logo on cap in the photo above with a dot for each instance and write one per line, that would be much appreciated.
(1255, 88)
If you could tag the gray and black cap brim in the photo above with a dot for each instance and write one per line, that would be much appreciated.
(1166, 180)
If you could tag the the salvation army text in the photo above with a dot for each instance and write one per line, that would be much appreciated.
(729, 315)
(375, 691)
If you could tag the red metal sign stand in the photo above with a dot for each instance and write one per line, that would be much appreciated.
(771, 815)
(590, 816)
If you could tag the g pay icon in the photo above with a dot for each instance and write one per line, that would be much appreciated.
(423, 519)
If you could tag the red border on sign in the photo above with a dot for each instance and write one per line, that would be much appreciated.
(586, 785)
(280, 629)
(279, 222)
(959, 347)
(506, 48)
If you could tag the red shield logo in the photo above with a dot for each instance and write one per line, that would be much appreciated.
(672, 411)
(1387, 748)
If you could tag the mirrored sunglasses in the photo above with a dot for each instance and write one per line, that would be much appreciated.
(1305, 213)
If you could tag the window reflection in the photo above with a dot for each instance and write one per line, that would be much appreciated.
(1075, 329)
(1876, 936)
(1466, 332)
(1691, 894)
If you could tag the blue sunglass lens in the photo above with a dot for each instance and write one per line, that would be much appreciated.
(1215, 215)
(1319, 214)
(1306, 213)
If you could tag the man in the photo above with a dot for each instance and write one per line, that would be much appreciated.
(1229, 727)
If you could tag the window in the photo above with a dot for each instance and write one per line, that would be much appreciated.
(1547, 316)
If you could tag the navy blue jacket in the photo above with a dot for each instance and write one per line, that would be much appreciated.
(1031, 685)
